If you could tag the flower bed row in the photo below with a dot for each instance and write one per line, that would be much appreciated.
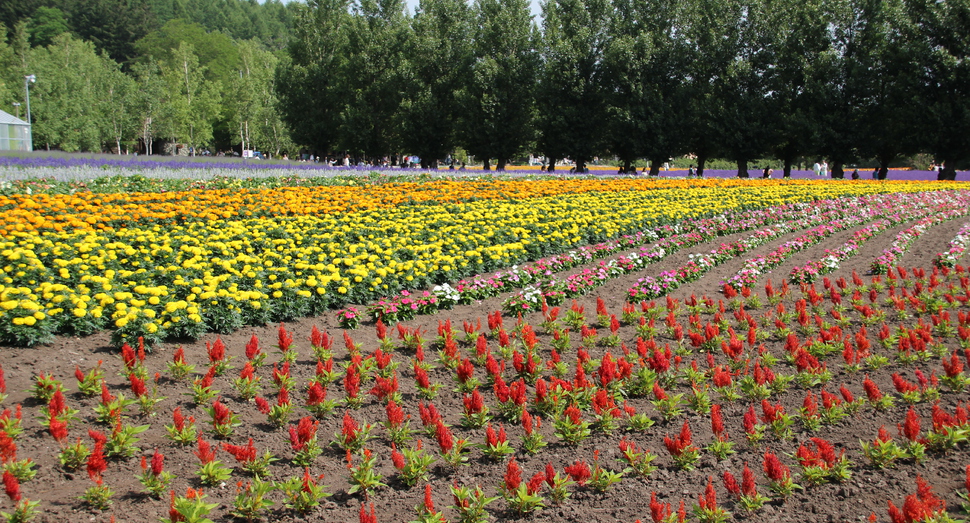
(957, 248)
(904, 240)
(648, 288)
(667, 240)
(896, 213)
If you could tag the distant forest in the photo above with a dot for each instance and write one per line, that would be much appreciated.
(639, 81)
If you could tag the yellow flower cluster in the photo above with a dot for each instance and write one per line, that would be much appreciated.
(186, 277)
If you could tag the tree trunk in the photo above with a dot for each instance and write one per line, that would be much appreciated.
(742, 168)
(486, 166)
(655, 167)
(883, 170)
(552, 164)
(701, 161)
(500, 164)
(838, 172)
(580, 166)
(628, 167)
(787, 168)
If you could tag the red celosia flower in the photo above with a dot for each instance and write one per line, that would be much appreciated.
(281, 374)
(395, 414)
(57, 428)
(3, 381)
(221, 415)
(527, 422)
(445, 440)
(306, 430)
(465, 370)
(846, 394)
(128, 357)
(659, 512)
(349, 429)
(284, 339)
(550, 473)
(96, 463)
(11, 486)
(179, 356)
(242, 453)
(158, 463)
(748, 487)
(352, 381)
(731, 484)
(428, 502)
(579, 472)
(262, 405)
(429, 414)
(658, 392)
(717, 423)
(883, 436)
(384, 388)
(283, 397)
(57, 405)
(572, 412)
(217, 351)
(953, 366)
(771, 413)
(513, 476)
(206, 381)
(535, 484)
(774, 469)
(252, 347)
(750, 420)
(910, 429)
(248, 373)
(174, 516)
(206, 452)
(365, 517)
(138, 387)
(397, 458)
(708, 500)
(683, 441)
(872, 390)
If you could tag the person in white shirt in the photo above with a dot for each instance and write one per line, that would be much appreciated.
(817, 168)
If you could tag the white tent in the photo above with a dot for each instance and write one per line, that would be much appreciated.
(14, 134)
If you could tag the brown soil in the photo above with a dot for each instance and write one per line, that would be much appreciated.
(866, 492)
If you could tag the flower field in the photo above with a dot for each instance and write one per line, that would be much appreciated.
(481, 349)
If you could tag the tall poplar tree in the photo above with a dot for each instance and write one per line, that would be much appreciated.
(499, 99)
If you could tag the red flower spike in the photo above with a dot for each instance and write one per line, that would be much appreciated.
(11, 486)
(708, 500)
(579, 472)
(535, 484)
(158, 462)
(731, 484)
(205, 452)
(513, 476)
(96, 464)
(284, 339)
(659, 512)
(397, 458)
(428, 502)
(910, 429)
(445, 440)
(57, 429)
(365, 517)
(748, 486)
